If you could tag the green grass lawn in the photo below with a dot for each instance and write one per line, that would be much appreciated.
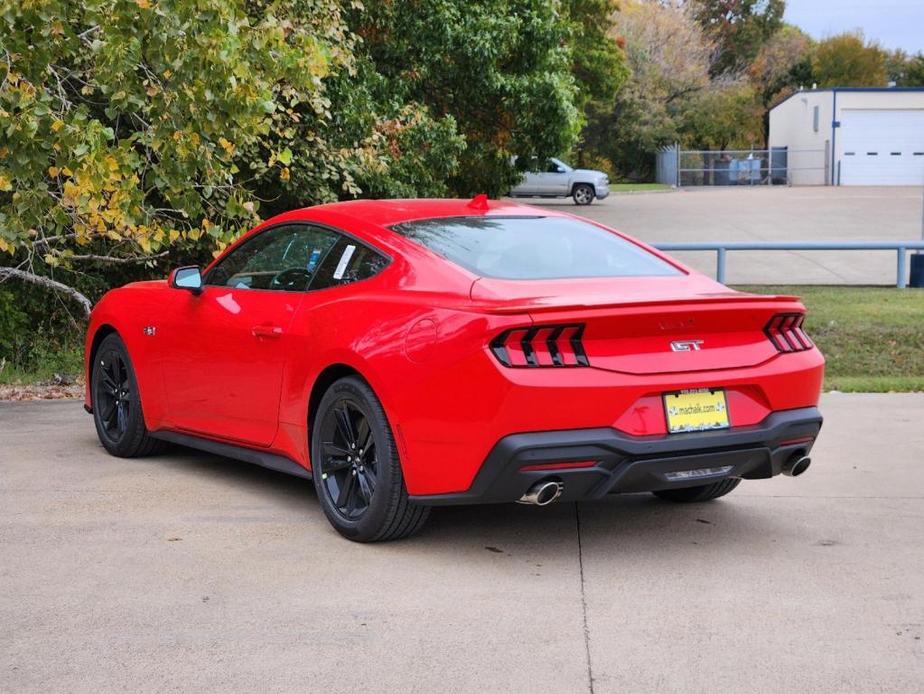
(637, 187)
(872, 337)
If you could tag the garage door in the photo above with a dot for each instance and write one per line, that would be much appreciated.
(881, 147)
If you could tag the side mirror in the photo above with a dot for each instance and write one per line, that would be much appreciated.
(188, 278)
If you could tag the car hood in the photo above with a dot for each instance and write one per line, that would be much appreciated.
(589, 173)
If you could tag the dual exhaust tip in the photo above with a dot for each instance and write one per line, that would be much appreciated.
(542, 493)
(547, 491)
(796, 465)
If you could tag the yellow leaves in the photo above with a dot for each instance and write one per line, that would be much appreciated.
(6, 247)
(206, 224)
(285, 174)
(56, 125)
(143, 4)
(194, 234)
(227, 146)
(167, 74)
(53, 171)
(173, 235)
(5, 183)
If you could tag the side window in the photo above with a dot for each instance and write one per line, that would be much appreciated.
(284, 258)
(349, 261)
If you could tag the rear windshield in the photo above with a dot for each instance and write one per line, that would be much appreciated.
(527, 248)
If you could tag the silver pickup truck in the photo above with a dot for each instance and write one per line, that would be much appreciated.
(559, 180)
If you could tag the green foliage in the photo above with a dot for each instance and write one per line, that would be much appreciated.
(846, 60)
(598, 62)
(727, 117)
(126, 126)
(500, 68)
(905, 70)
(739, 27)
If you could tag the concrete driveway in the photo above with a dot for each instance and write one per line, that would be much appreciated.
(771, 214)
(189, 572)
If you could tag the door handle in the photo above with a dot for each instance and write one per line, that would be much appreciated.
(268, 331)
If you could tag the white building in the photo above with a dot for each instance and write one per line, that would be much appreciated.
(852, 136)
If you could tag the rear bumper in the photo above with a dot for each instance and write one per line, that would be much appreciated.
(624, 463)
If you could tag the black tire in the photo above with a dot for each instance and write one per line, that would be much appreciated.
(117, 403)
(362, 494)
(707, 492)
(583, 194)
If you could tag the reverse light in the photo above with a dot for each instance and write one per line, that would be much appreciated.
(541, 346)
(785, 332)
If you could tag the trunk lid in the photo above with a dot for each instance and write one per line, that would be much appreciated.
(648, 325)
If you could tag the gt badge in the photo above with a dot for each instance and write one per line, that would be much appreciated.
(150, 330)
(685, 345)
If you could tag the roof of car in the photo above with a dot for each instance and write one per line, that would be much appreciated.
(389, 212)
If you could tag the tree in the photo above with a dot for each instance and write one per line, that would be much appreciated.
(905, 70)
(846, 60)
(780, 67)
(740, 28)
(128, 127)
(669, 57)
(725, 116)
(598, 61)
(501, 69)
(131, 128)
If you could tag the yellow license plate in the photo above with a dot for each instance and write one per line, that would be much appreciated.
(696, 410)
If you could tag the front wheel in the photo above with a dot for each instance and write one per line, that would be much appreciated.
(117, 402)
(583, 194)
(706, 492)
(357, 472)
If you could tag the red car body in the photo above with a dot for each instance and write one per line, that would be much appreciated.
(246, 367)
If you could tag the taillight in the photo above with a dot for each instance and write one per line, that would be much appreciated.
(541, 346)
(785, 332)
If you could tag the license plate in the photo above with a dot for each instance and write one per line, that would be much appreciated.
(696, 410)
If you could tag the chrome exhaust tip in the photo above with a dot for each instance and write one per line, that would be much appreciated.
(796, 465)
(542, 493)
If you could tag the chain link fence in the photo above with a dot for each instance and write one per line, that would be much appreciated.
(751, 167)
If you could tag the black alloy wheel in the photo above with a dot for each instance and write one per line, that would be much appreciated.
(113, 394)
(348, 463)
(356, 467)
(117, 402)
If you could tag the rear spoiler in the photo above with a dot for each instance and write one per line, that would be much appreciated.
(535, 306)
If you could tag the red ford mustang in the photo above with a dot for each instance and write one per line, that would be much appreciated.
(412, 353)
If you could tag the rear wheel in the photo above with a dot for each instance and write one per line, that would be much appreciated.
(117, 403)
(357, 472)
(707, 492)
(583, 194)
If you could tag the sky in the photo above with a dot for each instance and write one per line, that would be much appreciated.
(893, 23)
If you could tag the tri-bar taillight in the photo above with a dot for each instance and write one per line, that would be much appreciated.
(553, 346)
(785, 332)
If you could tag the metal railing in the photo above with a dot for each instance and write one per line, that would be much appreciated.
(900, 247)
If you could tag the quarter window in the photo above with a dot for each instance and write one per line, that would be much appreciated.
(349, 261)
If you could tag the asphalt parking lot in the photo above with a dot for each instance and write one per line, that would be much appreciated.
(771, 214)
(186, 571)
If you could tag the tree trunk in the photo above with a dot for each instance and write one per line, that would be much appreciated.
(49, 283)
